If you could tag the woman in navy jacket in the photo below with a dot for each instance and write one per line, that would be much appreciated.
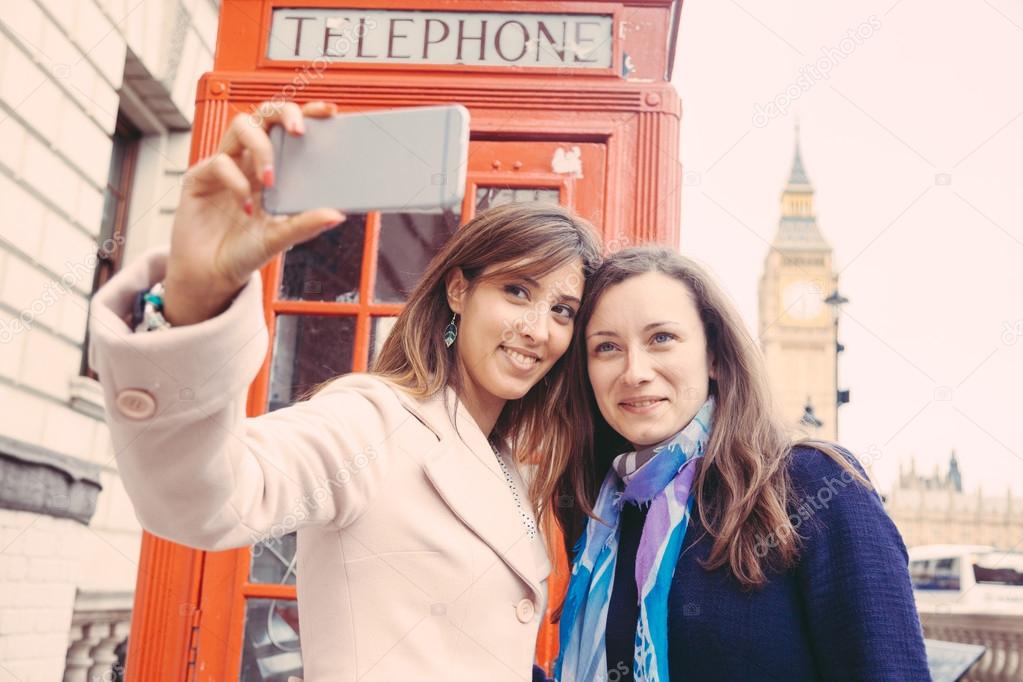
(704, 544)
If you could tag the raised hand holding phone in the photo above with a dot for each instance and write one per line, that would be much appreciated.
(220, 234)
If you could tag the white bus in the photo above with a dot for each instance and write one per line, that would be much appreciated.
(966, 579)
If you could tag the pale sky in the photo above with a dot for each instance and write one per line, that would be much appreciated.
(914, 144)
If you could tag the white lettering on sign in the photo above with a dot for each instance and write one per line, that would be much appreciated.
(426, 37)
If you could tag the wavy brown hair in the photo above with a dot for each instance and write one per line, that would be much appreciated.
(525, 239)
(743, 492)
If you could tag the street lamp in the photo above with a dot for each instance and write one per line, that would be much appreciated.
(809, 418)
(836, 301)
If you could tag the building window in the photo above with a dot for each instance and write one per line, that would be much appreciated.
(116, 199)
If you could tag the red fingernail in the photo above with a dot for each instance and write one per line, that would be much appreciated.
(268, 176)
(248, 206)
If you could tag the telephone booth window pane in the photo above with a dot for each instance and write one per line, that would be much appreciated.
(308, 350)
(273, 561)
(379, 330)
(407, 243)
(270, 650)
(328, 267)
(487, 197)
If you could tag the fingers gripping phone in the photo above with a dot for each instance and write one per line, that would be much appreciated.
(402, 160)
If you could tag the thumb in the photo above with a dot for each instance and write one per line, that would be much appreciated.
(300, 228)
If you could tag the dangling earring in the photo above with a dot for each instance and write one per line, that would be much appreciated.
(451, 331)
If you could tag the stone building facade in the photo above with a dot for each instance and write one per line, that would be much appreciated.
(936, 509)
(96, 100)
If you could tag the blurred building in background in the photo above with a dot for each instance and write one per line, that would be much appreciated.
(798, 330)
(96, 104)
(936, 509)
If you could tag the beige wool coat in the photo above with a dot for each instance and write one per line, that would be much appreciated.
(414, 562)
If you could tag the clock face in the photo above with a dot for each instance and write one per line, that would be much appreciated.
(803, 300)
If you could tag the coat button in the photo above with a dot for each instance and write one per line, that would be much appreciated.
(525, 611)
(135, 403)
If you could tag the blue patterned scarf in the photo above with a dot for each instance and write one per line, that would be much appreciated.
(661, 476)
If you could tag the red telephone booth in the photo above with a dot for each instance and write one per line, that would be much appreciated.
(570, 102)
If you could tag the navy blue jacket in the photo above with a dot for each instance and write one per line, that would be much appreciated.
(844, 612)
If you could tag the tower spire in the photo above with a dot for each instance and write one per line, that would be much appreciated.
(798, 174)
(955, 476)
(798, 227)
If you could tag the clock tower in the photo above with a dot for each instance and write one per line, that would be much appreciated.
(797, 328)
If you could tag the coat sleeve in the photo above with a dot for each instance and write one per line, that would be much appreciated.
(853, 577)
(197, 470)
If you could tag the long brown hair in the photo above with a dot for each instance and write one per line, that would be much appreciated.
(742, 490)
(525, 239)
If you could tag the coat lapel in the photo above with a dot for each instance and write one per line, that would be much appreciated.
(464, 469)
(484, 503)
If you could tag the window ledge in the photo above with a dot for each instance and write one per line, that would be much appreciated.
(42, 481)
(87, 397)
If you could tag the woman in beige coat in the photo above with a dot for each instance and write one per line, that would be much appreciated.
(418, 551)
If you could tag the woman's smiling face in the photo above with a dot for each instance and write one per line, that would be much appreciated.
(647, 357)
(513, 329)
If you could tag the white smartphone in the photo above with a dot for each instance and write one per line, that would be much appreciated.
(397, 161)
